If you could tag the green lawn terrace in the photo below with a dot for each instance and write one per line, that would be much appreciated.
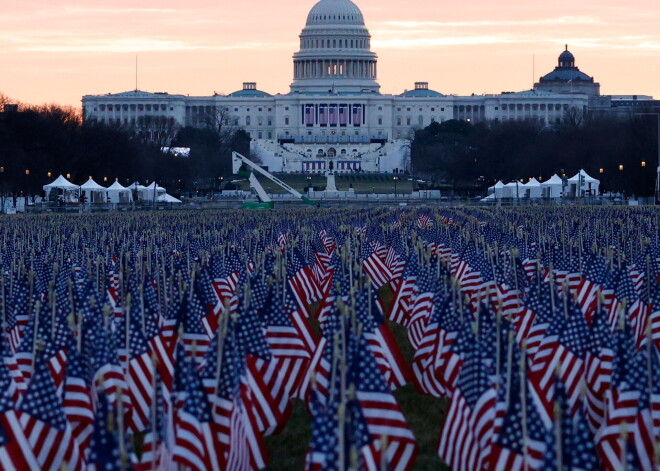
(382, 183)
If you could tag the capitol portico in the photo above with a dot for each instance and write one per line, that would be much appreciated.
(334, 115)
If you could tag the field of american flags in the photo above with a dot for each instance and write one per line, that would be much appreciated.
(380, 339)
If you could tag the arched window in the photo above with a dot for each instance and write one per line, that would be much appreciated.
(247, 120)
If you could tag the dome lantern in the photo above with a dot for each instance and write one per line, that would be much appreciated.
(566, 59)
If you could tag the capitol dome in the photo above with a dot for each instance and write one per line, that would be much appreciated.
(334, 12)
(335, 54)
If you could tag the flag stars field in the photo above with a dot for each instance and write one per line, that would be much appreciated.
(349, 339)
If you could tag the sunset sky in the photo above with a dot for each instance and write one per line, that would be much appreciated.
(57, 51)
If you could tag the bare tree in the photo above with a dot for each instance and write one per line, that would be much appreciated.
(157, 129)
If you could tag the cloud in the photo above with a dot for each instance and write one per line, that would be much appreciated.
(440, 41)
(562, 20)
(57, 42)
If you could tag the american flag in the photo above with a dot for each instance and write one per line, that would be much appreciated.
(513, 450)
(44, 423)
(196, 440)
(381, 342)
(104, 451)
(384, 418)
(291, 353)
(77, 400)
(301, 281)
(465, 440)
(139, 376)
(421, 308)
(16, 453)
(238, 428)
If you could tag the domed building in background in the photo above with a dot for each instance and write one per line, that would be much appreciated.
(334, 115)
(567, 78)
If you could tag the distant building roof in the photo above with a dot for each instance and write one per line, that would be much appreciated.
(566, 71)
(564, 75)
(249, 91)
(530, 93)
(421, 90)
(136, 94)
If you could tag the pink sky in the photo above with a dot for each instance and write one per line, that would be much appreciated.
(57, 51)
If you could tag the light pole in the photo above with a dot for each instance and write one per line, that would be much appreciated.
(657, 174)
(396, 195)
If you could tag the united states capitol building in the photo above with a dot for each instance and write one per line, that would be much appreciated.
(334, 116)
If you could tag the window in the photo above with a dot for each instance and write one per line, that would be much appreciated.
(259, 109)
(496, 108)
(420, 109)
(432, 109)
(270, 121)
(247, 120)
(259, 135)
(408, 109)
(270, 135)
(270, 109)
(235, 109)
(380, 108)
(442, 109)
(171, 108)
(398, 121)
(398, 109)
(109, 107)
(286, 108)
(380, 121)
(408, 121)
(286, 121)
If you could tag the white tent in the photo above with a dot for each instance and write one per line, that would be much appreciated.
(165, 198)
(64, 188)
(152, 192)
(587, 184)
(117, 193)
(94, 193)
(137, 191)
(515, 188)
(532, 189)
(500, 190)
(552, 187)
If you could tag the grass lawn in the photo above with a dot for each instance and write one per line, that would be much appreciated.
(362, 183)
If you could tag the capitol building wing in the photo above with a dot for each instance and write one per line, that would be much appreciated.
(334, 116)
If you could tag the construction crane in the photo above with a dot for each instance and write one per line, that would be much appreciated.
(244, 167)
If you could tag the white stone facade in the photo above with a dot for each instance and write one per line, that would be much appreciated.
(334, 115)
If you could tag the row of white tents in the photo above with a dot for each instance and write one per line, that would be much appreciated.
(115, 193)
(582, 184)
